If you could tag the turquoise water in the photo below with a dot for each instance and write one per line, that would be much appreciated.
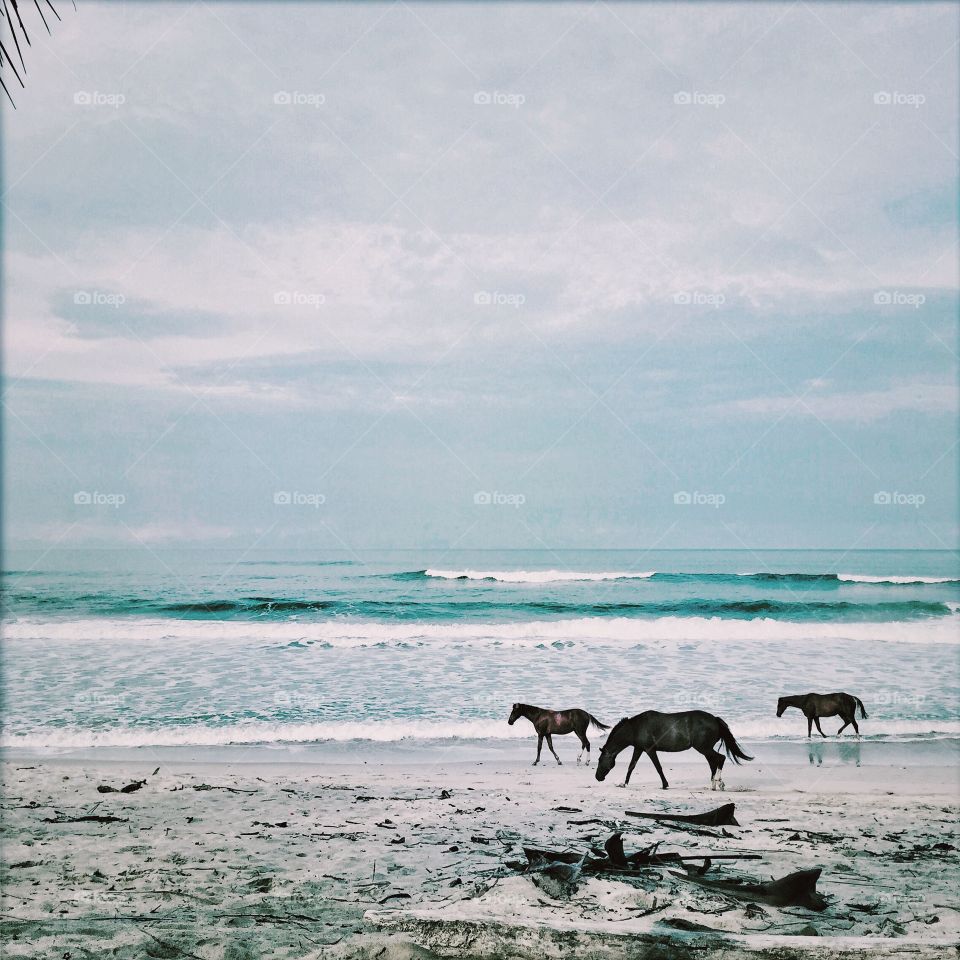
(109, 649)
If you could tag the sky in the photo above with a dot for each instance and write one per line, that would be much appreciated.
(327, 276)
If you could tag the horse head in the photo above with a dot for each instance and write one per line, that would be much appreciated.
(781, 706)
(605, 763)
(515, 714)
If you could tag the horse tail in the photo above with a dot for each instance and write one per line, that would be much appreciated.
(597, 723)
(730, 744)
(859, 703)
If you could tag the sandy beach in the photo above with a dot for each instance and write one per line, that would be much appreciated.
(247, 859)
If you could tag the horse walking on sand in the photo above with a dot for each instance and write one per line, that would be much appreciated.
(548, 722)
(651, 731)
(817, 705)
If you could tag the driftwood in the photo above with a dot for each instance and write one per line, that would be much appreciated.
(794, 890)
(90, 818)
(129, 788)
(613, 860)
(558, 880)
(721, 817)
(207, 786)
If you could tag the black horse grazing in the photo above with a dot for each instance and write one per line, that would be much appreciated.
(817, 705)
(651, 731)
(548, 722)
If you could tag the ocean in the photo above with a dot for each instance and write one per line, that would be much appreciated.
(122, 650)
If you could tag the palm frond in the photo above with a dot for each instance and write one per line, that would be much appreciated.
(11, 22)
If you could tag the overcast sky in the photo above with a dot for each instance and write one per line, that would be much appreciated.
(484, 275)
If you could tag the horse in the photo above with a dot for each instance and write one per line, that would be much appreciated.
(817, 705)
(548, 722)
(651, 731)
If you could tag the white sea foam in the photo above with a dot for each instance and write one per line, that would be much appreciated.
(860, 578)
(537, 576)
(586, 631)
(392, 731)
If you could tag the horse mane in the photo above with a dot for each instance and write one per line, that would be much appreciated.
(618, 725)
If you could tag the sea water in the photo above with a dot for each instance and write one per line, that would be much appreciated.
(114, 650)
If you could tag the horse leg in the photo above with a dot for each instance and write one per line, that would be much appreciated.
(652, 754)
(713, 768)
(809, 726)
(710, 755)
(856, 729)
(554, 752)
(721, 760)
(846, 723)
(816, 720)
(716, 760)
(633, 762)
(539, 748)
(584, 745)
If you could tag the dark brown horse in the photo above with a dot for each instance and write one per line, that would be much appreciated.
(548, 722)
(651, 731)
(817, 705)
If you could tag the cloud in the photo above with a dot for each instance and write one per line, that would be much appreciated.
(931, 399)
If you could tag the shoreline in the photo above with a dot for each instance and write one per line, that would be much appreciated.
(846, 752)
